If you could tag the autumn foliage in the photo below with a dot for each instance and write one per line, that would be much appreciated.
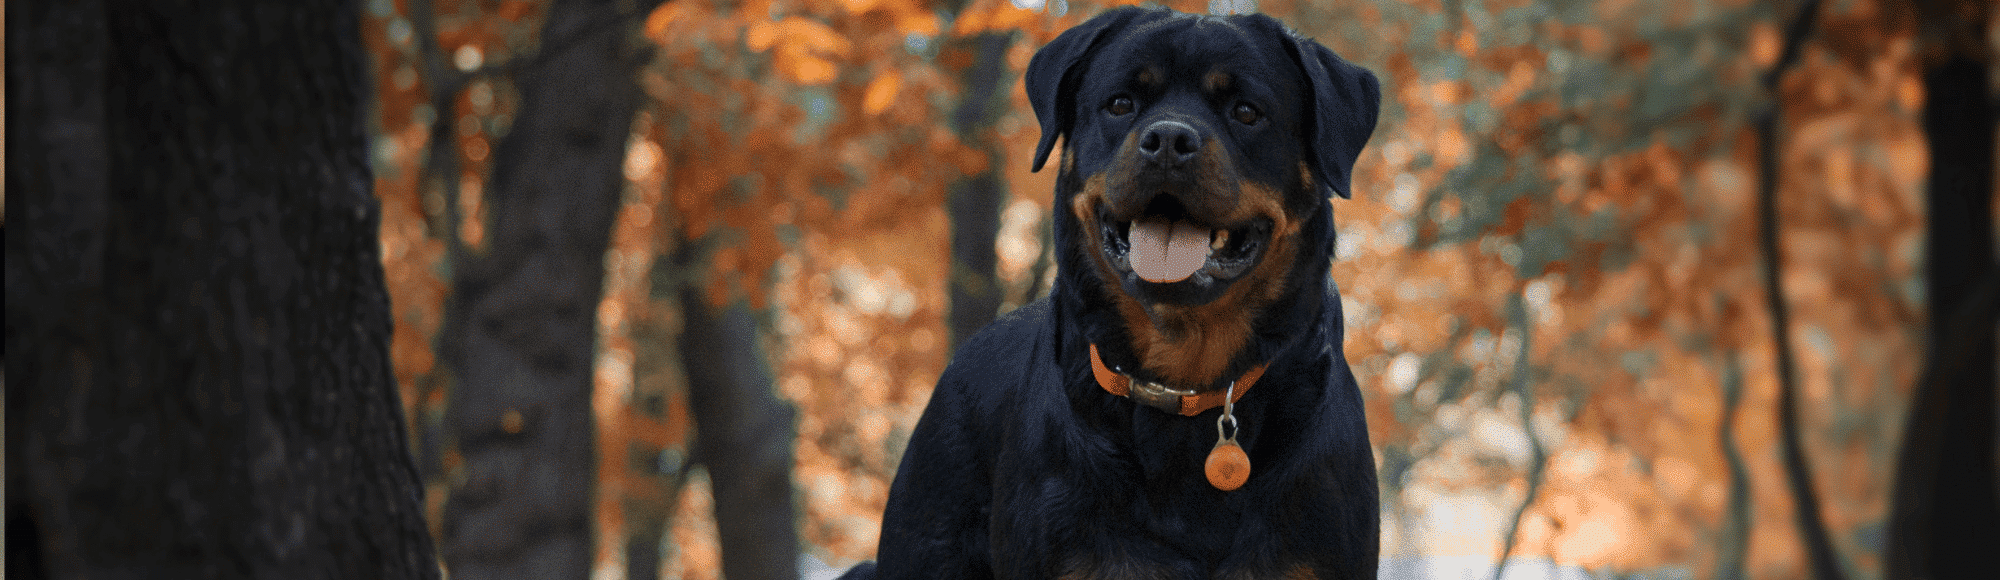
(1549, 266)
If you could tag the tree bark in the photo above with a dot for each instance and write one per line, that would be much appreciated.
(744, 438)
(201, 384)
(1945, 517)
(658, 379)
(521, 325)
(974, 202)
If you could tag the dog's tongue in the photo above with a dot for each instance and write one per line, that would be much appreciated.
(1165, 252)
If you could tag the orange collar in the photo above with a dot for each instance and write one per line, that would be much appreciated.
(1188, 403)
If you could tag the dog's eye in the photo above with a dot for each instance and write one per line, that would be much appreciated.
(1119, 106)
(1245, 114)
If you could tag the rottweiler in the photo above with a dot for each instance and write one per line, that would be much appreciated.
(1179, 406)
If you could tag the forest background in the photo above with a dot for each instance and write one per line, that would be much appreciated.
(1557, 304)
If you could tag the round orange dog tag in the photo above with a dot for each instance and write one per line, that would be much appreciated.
(1227, 466)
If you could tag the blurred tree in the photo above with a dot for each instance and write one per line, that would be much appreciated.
(201, 382)
(1946, 515)
(659, 467)
(1600, 161)
(803, 156)
(653, 477)
(1821, 555)
(973, 201)
(521, 327)
(744, 438)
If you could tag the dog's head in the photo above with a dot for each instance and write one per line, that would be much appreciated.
(1199, 154)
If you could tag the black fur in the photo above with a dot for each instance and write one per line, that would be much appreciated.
(1023, 468)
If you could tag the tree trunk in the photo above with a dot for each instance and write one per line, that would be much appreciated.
(201, 384)
(1946, 514)
(974, 201)
(522, 322)
(656, 378)
(744, 438)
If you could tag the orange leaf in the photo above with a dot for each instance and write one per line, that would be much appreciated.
(817, 37)
(662, 20)
(762, 35)
(806, 68)
(860, 6)
(921, 22)
(1010, 17)
(804, 48)
(881, 92)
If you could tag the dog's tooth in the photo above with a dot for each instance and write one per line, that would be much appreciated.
(1218, 239)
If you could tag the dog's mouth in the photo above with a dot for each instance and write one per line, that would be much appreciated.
(1175, 257)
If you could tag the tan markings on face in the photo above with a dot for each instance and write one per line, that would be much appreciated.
(1191, 346)
(1148, 77)
(1213, 172)
(1085, 206)
(1217, 82)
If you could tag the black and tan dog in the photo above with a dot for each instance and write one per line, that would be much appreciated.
(1093, 434)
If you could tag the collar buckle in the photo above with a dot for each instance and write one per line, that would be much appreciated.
(1158, 396)
(1177, 401)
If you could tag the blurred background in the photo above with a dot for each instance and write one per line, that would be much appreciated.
(1552, 268)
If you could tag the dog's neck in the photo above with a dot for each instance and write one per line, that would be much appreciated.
(1186, 403)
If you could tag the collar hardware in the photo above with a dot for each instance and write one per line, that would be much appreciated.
(1227, 467)
(1178, 401)
(1158, 396)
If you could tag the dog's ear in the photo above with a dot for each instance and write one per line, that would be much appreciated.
(1053, 76)
(1345, 101)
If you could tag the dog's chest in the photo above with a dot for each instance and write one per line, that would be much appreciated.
(1099, 567)
(1114, 525)
(1115, 565)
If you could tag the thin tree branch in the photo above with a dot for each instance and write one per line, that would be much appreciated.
(1821, 556)
(673, 486)
(441, 158)
(1538, 457)
(1736, 517)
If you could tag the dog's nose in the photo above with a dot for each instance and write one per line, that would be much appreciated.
(1169, 143)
